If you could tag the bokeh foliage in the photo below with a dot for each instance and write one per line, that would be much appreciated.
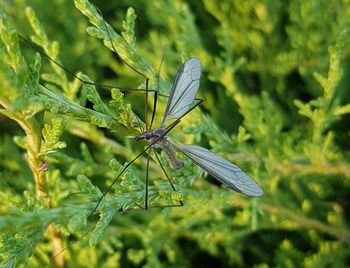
(276, 87)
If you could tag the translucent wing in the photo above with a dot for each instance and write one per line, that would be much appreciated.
(223, 170)
(184, 90)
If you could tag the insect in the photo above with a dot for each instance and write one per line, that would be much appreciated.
(179, 104)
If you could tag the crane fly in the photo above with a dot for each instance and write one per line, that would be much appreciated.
(179, 104)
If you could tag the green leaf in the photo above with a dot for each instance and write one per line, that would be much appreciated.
(51, 134)
(100, 228)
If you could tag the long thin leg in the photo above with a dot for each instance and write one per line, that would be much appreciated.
(131, 67)
(172, 125)
(76, 77)
(144, 76)
(146, 184)
(114, 49)
(154, 108)
(156, 93)
(152, 207)
(71, 243)
(146, 106)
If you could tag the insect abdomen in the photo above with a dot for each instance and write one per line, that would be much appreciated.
(174, 162)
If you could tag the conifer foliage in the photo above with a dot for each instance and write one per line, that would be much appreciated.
(275, 83)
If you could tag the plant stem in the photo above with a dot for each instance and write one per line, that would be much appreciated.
(32, 130)
(33, 133)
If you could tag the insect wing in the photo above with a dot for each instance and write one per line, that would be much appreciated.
(184, 90)
(223, 170)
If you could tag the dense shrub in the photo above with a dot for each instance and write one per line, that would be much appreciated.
(275, 79)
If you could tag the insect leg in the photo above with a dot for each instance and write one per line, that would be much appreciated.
(131, 67)
(156, 94)
(177, 121)
(146, 184)
(70, 73)
(154, 108)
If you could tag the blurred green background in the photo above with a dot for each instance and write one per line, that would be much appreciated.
(275, 79)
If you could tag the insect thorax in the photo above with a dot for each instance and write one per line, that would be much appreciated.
(157, 138)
